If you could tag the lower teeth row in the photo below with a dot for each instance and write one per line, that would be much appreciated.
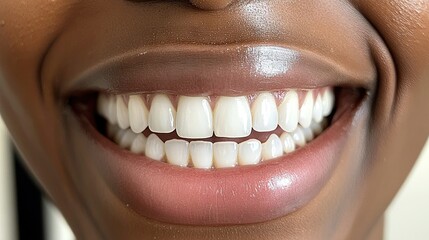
(206, 155)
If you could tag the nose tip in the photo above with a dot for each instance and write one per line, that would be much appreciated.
(211, 4)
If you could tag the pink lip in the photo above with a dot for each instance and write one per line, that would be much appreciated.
(241, 195)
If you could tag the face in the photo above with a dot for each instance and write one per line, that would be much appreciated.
(217, 118)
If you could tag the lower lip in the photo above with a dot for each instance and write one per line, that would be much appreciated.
(241, 195)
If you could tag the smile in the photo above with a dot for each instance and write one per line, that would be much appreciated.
(246, 146)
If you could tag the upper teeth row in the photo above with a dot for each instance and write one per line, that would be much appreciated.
(232, 117)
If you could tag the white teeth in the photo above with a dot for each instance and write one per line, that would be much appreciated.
(103, 105)
(272, 148)
(139, 144)
(316, 127)
(112, 113)
(289, 112)
(154, 148)
(249, 152)
(306, 111)
(194, 118)
(138, 114)
(232, 117)
(122, 113)
(225, 154)
(177, 152)
(201, 154)
(162, 115)
(318, 109)
(308, 134)
(328, 101)
(264, 113)
(127, 139)
(299, 137)
(287, 143)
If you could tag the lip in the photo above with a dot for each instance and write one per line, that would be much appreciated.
(241, 195)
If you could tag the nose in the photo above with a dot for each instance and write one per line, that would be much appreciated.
(211, 4)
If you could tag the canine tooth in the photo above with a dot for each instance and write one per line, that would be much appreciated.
(177, 152)
(308, 134)
(306, 111)
(225, 154)
(162, 115)
(249, 152)
(232, 117)
(299, 137)
(139, 144)
(138, 114)
(122, 113)
(154, 148)
(127, 139)
(287, 143)
(316, 127)
(272, 148)
(194, 118)
(112, 115)
(103, 105)
(328, 101)
(201, 154)
(318, 109)
(264, 113)
(289, 112)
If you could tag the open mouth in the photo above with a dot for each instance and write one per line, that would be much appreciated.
(218, 151)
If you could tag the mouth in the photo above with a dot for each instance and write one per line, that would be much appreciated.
(196, 154)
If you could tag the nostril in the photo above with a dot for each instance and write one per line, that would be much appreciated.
(211, 4)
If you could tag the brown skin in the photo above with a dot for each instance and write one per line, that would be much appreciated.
(38, 36)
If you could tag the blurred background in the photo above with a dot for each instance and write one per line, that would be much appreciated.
(26, 214)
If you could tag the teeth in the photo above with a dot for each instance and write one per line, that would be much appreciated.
(306, 111)
(272, 148)
(162, 115)
(139, 144)
(264, 113)
(177, 152)
(122, 113)
(126, 139)
(232, 117)
(201, 154)
(194, 118)
(316, 127)
(289, 112)
(225, 154)
(328, 101)
(249, 152)
(299, 137)
(138, 114)
(154, 148)
(287, 142)
(308, 134)
(318, 109)
(112, 113)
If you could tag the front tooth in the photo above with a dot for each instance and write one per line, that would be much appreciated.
(328, 100)
(201, 154)
(308, 134)
(127, 139)
(225, 154)
(289, 112)
(122, 113)
(232, 117)
(138, 114)
(318, 109)
(162, 115)
(299, 137)
(264, 113)
(103, 105)
(287, 142)
(306, 111)
(249, 152)
(139, 144)
(272, 148)
(154, 148)
(177, 152)
(112, 113)
(194, 118)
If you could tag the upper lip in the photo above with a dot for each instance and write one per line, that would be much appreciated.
(213, 70)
